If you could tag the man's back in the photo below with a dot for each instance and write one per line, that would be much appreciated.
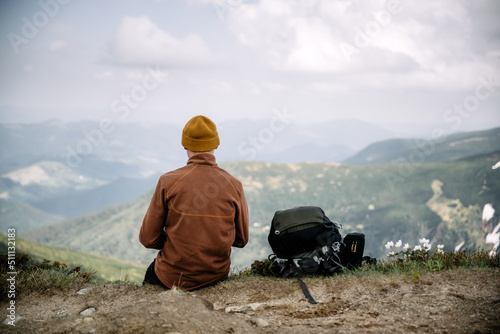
(204, 213)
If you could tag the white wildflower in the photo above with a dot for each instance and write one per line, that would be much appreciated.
(424, 241)
(417, 248)
(399, 243)
(440, 247)
(407, 246)
(440, 251)
(391, 254)
(389, 245)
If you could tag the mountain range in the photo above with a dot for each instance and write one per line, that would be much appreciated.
(444, 148)
(442, 201)
(388, 188)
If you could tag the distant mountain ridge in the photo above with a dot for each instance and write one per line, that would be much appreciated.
(452, 147)
(110, 232)
(252, 140)
(83, 145)
(12, 212)
(83, 202)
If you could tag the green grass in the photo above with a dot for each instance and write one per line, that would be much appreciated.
(104, 268)
(42, 277)
(47, 276)
(410, 262)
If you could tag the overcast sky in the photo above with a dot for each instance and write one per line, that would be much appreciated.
(164, 61)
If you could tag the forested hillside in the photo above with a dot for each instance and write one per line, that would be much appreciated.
(441, 148)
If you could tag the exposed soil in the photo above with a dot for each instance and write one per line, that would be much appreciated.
(458, 301)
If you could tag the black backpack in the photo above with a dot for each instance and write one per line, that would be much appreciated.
(305, 242)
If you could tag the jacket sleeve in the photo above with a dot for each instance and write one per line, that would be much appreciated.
(152, 234)
(241, 220)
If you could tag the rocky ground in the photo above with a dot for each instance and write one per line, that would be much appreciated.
(458, 301)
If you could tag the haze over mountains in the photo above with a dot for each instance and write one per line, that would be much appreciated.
(69, 169)
(101, 180)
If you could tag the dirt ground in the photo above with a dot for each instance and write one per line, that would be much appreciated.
(459, 301)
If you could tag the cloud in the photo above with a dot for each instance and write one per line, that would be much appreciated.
(292, 35)
(327, 88)
(222, 87)
(139, 41)
(28, 68)
(414, 43)
(274, 86)
(103, 75)
(58, 45)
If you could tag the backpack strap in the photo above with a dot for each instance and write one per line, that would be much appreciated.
(330, 260)
(306, 292)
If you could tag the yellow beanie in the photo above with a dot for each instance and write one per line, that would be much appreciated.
(200, 134)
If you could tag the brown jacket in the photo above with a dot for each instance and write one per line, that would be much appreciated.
(196, 214)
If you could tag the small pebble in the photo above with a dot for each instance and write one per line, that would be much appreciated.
(88, 311)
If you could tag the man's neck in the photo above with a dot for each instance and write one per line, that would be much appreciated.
(191, 153)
